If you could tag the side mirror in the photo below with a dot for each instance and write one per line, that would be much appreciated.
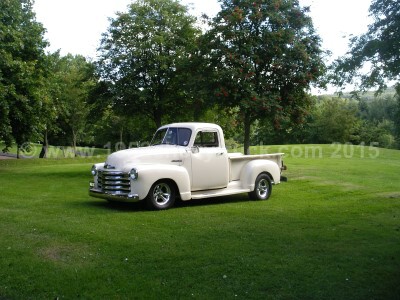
(195, 149)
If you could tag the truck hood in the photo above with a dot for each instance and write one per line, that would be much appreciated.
(162, 154)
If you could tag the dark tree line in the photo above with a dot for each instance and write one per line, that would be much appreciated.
(367, 120)
(251, 72)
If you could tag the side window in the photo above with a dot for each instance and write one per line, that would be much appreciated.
(206, 139)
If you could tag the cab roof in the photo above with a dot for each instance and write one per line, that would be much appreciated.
(194, 126)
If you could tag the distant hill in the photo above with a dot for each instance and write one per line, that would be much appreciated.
(367, 96)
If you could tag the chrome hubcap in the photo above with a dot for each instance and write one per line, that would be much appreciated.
(162, 194)
(262, 188)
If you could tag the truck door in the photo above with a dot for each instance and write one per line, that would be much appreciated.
(210, 165)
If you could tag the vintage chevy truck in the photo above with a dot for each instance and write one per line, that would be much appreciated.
(185, 160)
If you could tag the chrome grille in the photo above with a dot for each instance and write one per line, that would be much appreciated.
(114, 182)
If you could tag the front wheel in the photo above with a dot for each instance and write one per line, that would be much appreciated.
(262, 188)
(161, 195)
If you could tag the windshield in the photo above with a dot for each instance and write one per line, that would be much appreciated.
(172, 136)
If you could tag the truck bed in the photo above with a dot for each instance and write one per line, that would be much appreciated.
(238, 160)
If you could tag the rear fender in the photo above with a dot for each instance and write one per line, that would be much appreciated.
(254, 168)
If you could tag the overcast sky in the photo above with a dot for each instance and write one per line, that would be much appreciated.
(75, 26)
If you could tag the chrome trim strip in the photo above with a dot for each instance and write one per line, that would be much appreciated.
(116, 182)
(116, 188)
(113, 197)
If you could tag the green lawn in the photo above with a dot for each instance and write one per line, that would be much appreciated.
(331, 232)
(32, 150)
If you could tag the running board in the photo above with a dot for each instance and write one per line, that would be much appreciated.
(232, 189)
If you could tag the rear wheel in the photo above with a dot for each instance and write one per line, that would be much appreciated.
(262, 188)
(161, 195)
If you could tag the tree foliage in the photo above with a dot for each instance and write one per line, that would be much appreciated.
(335, 121)
(22, 71)
(374, 57)
(266, 54)
(49, 95)
(376, 51)
(250, 72)
(141, 55)
(75, 80)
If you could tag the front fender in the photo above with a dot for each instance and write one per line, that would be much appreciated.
(254, 168)
(149, 174)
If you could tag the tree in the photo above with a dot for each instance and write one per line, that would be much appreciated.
(266, 54)
(51, 108)
(335, 121)
(376, 51)
(141, 55)
(21, 71)
(66, 101)
(373, 57)
(397, 116)
(76, 80)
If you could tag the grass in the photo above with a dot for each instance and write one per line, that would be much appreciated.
(331, 232)
(32, 150)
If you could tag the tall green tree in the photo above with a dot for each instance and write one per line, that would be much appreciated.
(76, 81)
(266, 54)
(65, 100)
(51, 108)
(141, 54)
(21, 71)
(373, 57)
(397, 116)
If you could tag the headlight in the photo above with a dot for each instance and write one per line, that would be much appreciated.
(133, 174)
(94, 170)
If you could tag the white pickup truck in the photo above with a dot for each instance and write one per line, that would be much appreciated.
(185, 160)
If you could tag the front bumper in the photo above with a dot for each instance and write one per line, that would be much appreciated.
(113, 197)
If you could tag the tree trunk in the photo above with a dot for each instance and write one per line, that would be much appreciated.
(397, 115)
(247, 126)
(121, 134)
(157, 117)
(43, 152)
(74, 139)
(197, 110)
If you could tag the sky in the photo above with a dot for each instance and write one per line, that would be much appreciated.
(75, 26)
